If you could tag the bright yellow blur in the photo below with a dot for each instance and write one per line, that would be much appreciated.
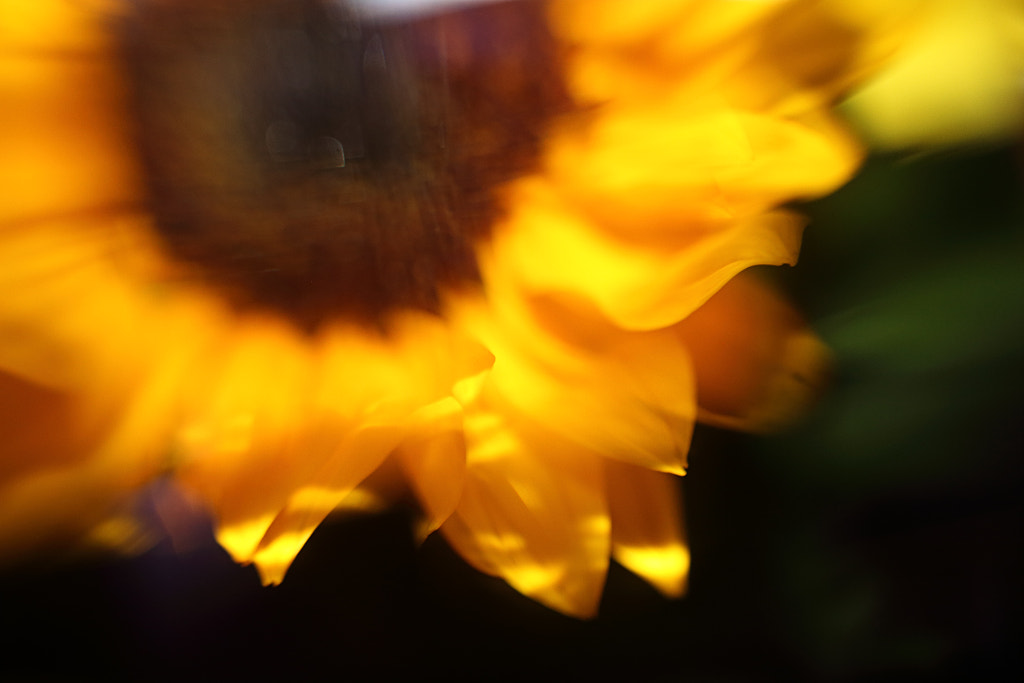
(960, 80)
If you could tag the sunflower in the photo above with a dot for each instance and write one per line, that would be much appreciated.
(282, 252)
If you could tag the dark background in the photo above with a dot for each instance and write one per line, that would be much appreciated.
(880, 540)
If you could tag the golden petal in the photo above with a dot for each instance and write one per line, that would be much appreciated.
(619, 394)
(550, 248)
(661, 36)
(239, 442)
(532, 512)
(783, 55)
(680, 170)
(433, 458)
(801, 56)
(351, 462)
(83, 301)
(55, 28)
(666, 188)
(55, 162)
(647, 526)
(283, 429)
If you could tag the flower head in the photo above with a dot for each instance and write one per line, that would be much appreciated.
(279, 247)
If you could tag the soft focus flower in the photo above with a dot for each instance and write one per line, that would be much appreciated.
(959, 79)
(189, 289)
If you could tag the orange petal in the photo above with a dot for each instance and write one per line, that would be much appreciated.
(647, 526)
(38, 460)
(53, 163)
(758, 366)
(117, 443)
(97, 352)
(28, 413)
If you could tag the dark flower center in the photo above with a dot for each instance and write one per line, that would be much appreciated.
(319, 164)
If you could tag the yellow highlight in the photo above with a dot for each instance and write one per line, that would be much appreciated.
(241, 539)
(359, 500)
(317, 498)
(500, 543)
(273, 560)
(665, 567)
(495, 443)
(535, 578)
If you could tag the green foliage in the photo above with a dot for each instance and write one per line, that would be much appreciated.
(914, 274)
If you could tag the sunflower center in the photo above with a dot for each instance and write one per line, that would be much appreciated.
(319, 164)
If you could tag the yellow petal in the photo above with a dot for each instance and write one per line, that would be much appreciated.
(64, 280)
(433, 458)
(283, 428)
(55, 28)
(352, 461)
(805, 54)
(609, 22)
(711, 114)
(619, 394)
(249, 438)
(532, 512)
(620, 50)
(682, 172)
(647, 526)
(644, 284)
(787, 56)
